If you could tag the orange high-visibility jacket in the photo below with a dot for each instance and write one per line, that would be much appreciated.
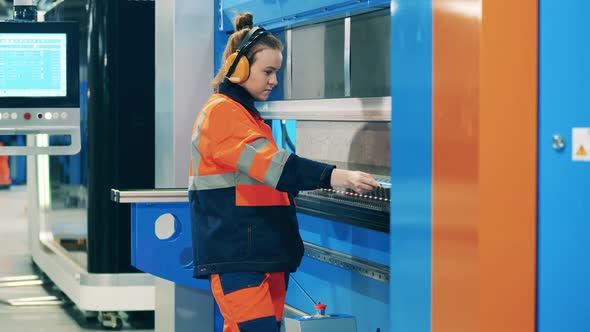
(242, 211)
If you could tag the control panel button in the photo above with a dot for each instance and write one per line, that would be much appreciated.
(5, 115)
(27, 116)
(14, 116)
(48, 115)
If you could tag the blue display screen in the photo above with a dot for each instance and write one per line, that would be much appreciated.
(33, 65)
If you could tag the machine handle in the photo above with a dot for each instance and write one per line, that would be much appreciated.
(39, 125)
(149, 196)
(31, 149)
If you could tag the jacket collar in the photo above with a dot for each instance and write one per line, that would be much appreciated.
(241, 95)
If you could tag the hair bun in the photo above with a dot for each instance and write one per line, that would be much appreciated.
(245, 20)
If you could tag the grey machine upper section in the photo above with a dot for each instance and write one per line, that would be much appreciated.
(184, 70)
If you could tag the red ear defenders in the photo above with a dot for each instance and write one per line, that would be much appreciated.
(237, 65)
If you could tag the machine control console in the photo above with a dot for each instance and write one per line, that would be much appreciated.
(49, 121)
(40, 87)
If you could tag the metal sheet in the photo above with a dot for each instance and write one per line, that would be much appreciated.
(338, 109)
(146, 196)
(317, 61)
(370, 44)
(356, 143)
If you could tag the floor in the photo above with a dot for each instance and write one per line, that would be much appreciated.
(15, 260)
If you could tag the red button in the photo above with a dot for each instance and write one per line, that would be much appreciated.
(27, 116)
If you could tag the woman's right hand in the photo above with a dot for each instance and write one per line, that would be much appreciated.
(356, 180)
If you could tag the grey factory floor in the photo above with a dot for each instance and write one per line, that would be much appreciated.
(15, 260)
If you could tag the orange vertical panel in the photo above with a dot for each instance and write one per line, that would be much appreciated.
(456, 33)
(484, 165)
(508, 165)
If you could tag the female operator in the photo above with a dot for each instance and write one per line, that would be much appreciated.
(244, 225)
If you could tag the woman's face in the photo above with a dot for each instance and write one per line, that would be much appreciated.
(263, 73)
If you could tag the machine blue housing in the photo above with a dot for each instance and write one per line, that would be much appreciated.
(169, 259)
(281, 13)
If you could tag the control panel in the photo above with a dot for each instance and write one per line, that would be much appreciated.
(40, 86)
(33, 121)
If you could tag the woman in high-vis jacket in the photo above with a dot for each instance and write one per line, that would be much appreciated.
(245, 232)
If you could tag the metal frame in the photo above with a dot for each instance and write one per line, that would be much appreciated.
(67, 126)
(90, 292)
(337, 109)
(347, 81)
(149, 196)
(358, 265)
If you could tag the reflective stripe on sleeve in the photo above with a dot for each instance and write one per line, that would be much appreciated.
(249, 153)
(273, 174)
(218, 181)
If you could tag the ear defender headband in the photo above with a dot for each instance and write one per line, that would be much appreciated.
(237, 65)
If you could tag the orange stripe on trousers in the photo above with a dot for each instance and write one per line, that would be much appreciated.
(267, 299)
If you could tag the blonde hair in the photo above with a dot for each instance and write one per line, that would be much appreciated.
(242, 24)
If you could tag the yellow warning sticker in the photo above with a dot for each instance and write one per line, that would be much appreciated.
(581, 144)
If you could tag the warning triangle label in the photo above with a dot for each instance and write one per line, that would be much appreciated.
(582, 152)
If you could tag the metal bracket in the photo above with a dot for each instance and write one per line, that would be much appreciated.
(359, 265)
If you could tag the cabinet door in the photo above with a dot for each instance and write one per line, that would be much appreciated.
(564, 182)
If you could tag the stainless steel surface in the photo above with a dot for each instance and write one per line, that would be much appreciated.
(370, 48)
(292, 311)
(361, 266)
(340, 323)
(149, 196)
(355, 145)
(288, 69)
(339, 109)
(558, 142)
(318, 61)
(347, 57)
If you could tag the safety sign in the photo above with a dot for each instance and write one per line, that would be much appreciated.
(581, 144)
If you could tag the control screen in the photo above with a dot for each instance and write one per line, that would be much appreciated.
(33, 65)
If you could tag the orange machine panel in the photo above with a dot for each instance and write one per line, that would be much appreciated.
(484, 165)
